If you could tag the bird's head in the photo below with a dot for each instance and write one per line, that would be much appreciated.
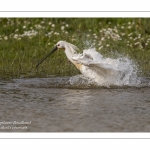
(62, 45)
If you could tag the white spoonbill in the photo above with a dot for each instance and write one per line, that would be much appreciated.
(93, 66)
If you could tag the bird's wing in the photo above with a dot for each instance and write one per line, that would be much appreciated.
(84, 58)
(103, 66)
(87, 60)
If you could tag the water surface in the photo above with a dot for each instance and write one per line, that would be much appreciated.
(56, 105)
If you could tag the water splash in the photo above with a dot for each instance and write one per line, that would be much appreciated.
(107, 72)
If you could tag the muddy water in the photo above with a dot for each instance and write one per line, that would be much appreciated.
(42, 105)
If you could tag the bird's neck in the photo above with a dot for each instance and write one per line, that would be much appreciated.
(69, 52)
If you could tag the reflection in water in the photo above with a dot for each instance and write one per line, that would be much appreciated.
(74, 109)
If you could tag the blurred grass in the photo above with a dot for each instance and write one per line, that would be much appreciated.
(20, 52)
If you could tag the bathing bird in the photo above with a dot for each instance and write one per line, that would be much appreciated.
(91, 63)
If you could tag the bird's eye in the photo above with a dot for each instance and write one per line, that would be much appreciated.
(58, 44)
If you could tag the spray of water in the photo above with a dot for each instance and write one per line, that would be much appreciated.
(101, 71)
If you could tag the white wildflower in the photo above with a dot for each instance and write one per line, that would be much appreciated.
(5, 38)
(15, 36)
(130, 34)
(16, 30)
(123, 34)
(96, 36)
(56, 33)
(110, 29)
(102, 39)
(139, 36)
(104, 30)
(38, 26)
(148, 39)
(100, 47)
(49, 33)
(108, 37)
(62, 27)
(67, 25)
(53, 25)
(136, 43)
(29, 34)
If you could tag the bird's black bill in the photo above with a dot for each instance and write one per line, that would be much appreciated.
(47, 56)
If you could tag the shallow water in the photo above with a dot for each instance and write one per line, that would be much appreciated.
(58, 105)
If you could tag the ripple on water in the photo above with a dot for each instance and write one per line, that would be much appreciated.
(78, 82)
(73, 107)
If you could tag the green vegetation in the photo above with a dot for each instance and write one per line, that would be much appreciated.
(25, 41)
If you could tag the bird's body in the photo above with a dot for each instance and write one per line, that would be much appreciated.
(93, 66)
